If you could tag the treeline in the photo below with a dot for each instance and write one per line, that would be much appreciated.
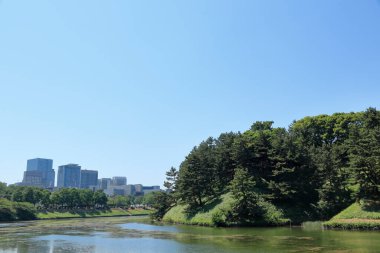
(23, 202)
(130, 201)
(65, 198)
(311, 170)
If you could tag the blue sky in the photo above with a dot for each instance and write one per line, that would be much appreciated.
(129, 87)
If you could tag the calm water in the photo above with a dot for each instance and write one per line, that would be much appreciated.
(136, 235)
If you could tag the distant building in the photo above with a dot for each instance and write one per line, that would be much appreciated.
(139, 188)
(130, 190)
(115, 190)
(69, 176)
(88, 179)
(33, 178)
(45, 166)
(148, 189)
(104, 183)
(118, 181)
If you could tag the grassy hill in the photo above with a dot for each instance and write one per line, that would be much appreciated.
(357, 216)
(214, 214)
(209, 215)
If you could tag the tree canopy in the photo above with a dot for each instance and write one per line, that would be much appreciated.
(320, 164)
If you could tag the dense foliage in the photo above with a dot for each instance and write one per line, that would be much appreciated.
(10, 211)
(66, 198)
(312, 170)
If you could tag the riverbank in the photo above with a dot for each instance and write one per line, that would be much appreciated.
(113, 212)
(358, 216)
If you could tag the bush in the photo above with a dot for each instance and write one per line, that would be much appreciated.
(25, 211)
(219, 218)
(10, 211)
(7, 212)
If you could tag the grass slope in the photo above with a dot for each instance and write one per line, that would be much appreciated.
(91, 213)
(205, 217)
(214, 214)
(357, 216)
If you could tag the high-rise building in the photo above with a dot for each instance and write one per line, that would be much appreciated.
(118, 181)
(69, 176)
(45, 166)
(104, 183)
(88, 178)
(33, 178)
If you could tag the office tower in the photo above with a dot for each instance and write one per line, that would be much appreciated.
(118, 181)
(33, 178)
(88, 178)
(45, 166)
(104, 183)
(69, 176)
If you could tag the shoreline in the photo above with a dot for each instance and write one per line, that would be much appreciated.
(113, 212)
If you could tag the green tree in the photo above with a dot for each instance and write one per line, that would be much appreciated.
(365, 155)
(3, 190)
(86, 198)
(245, 208)
(100, 199)
(196, 180)
(171, 179)
(224, 160)
(161, 202)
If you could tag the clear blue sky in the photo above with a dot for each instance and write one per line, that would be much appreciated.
(129, 87)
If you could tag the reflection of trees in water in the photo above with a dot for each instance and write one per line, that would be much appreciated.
(43, 246)
(169, 239)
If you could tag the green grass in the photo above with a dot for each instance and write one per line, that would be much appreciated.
(359, 211)
(352, 225)
(204, 217)
(358, 216)
(212, 214)
(91, 213)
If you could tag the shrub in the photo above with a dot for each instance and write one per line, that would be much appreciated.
(25, 211)
(219, 218)
(7, 212)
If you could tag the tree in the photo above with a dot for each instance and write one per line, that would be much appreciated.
(334, 191)
(100, 199)
(161, 202)
(245, 208)
(224, 160)
(3, 190)
(196, 180)
(171, 179)
(86, 197)
(365, 155)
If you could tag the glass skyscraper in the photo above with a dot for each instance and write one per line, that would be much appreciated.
(45, 167)
(88, 178)
(69, 176)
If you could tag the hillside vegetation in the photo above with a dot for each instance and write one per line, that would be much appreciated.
(11, 211)
(357, 216)
(312, 170)
(215, 213)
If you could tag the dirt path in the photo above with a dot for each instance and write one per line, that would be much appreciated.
(358, 220)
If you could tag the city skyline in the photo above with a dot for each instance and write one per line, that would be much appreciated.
(85, 175)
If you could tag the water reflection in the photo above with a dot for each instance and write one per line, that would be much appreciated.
(112, 235)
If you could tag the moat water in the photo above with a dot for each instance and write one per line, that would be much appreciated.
(136, 235)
